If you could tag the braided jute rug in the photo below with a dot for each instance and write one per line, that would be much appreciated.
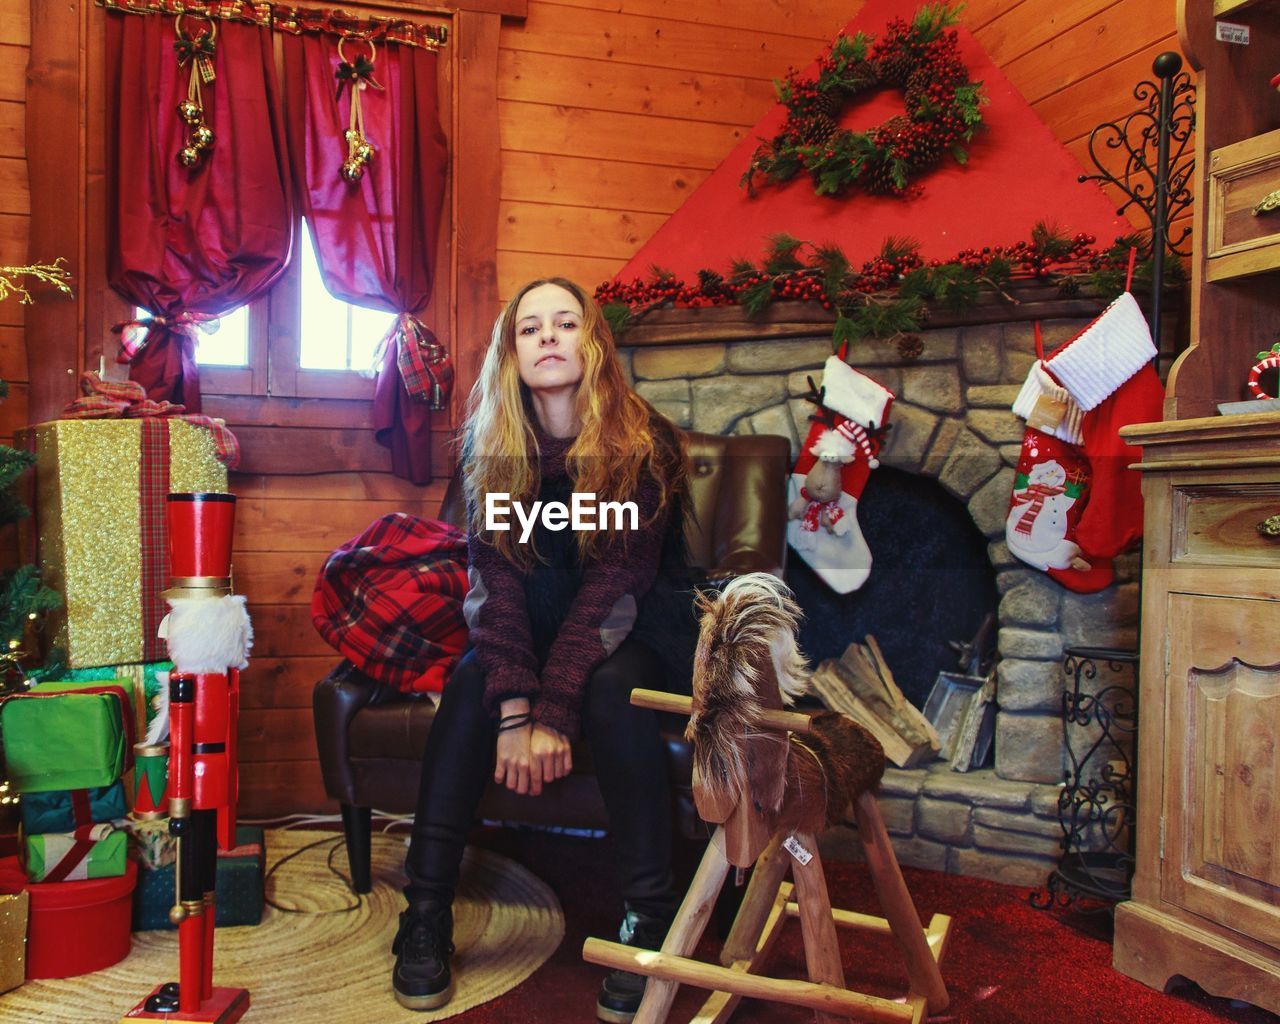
(321, 954)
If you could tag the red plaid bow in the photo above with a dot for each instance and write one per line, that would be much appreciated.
(424, 363)
(126, 399)
(135, 334)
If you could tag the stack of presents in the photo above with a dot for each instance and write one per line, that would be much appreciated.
(84, 750)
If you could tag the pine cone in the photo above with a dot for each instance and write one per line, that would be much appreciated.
(917, 88)
(877, 178)
(861, 75)
(891, 131)
(819, 129)
(910, 347)
(827, 104)
(893, 68)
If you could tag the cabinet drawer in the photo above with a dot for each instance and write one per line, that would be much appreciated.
(1244, 178)
(1217, 524)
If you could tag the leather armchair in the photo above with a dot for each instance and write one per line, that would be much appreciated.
(371, 741)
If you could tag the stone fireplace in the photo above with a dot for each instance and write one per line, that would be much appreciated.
(711, 371)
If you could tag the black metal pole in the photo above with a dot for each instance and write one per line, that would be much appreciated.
(1165, 66)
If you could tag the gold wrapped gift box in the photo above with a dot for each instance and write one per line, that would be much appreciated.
(88, 509)
(13, 940)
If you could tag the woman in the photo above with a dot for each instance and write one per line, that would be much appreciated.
(557, 620)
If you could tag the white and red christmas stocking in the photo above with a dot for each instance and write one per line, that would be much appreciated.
(1107, 370)
(835, 461)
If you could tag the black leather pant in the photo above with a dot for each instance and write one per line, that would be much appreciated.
(630, 764)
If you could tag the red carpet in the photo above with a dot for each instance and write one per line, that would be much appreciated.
(1008, 963)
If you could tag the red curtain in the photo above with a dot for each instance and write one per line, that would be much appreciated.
(375, 239)
(187, 243)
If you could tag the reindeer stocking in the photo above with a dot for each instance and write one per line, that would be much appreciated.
(835, 462)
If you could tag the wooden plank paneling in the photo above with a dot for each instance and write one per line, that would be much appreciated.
(284, 682)
(263, 525)
(15, 197)
(13, 352)
(336, 487)
(604, 184)
(13, 129)
(285, 631)
(15, 23)
(15, 228)
(1021, 29)
(816, 19)
(1098, 42)
(517, 268)
(534, 227)
(276, 734)
(536, 128)
(279, 788)
(13, 72)
(631, 88)
(13, 410)
(1079, 108)
(279, 577)
(657, 42)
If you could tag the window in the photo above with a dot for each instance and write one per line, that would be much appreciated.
(336, 335)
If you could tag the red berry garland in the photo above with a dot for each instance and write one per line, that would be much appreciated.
(942, 110)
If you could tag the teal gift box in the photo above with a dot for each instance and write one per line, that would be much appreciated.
(57, 812)
(239, 892)
(95, 851)
(57, 738)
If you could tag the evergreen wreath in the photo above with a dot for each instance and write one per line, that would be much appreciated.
(942, 110)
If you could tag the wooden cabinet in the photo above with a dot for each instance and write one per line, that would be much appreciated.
(1206, 892)
(1206, 895)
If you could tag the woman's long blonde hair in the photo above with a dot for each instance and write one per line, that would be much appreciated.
(616, 441)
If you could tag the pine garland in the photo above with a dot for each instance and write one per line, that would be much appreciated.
(943, 110)
(889, 295)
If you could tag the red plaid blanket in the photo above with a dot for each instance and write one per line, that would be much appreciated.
(390, 601)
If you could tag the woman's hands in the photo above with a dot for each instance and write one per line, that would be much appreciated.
(530, 755)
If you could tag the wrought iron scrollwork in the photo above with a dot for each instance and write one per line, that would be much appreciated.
(1158, 162)
(1096, 804)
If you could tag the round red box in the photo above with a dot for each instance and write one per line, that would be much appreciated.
(75, 927)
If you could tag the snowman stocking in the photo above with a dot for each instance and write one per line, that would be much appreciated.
(835, 462)
(1107, 371)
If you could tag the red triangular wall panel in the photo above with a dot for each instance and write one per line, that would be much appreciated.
(1017, 174)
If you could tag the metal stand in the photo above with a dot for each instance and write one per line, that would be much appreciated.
(1096, 806)
(1154, 143)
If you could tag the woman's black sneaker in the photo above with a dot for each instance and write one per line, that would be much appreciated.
(621, 992)
(423, 945)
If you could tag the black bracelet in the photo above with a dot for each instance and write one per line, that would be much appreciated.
(515, 721)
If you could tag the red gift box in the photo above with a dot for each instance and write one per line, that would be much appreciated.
(75, 927)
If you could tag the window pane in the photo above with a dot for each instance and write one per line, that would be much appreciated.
(335, 334)
(227, 346)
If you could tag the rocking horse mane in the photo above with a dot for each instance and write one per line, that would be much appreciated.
(747, 642)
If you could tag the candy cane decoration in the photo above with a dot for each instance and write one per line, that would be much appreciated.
(857, 434)
(1255, 388)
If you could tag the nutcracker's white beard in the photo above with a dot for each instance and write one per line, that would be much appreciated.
(208, 635)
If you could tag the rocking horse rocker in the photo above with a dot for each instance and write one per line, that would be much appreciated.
(771, 780)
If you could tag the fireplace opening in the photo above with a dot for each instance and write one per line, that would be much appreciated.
(931, 582)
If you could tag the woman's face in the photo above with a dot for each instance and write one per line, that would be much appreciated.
(548, 333)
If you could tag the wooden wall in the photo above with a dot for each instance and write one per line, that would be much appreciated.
(611, 112)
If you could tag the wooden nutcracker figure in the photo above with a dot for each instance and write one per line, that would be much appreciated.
(208, 635)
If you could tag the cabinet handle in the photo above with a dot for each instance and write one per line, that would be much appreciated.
(1270, 527)
(1270, 202)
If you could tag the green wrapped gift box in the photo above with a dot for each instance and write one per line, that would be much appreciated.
(93, 851)
(63, 812)
(57, 736)
(240, 896)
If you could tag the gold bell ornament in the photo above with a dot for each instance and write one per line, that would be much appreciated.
(358, 75)
(196, 50)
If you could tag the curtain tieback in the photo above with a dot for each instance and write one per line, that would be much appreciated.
(136, 334)
(424, 364)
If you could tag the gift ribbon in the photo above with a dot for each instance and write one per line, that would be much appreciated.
(127, 399)
(135, 335)
(84, 839)
(423, 362)
(1037, 493)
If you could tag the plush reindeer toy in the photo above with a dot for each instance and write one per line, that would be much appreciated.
(753, 780)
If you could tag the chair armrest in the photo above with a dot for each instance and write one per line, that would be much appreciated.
(751, 514)
(335, 701)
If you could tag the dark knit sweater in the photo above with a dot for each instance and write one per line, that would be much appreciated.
(539, 634)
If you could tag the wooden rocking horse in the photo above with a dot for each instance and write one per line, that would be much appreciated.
(771, 780)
